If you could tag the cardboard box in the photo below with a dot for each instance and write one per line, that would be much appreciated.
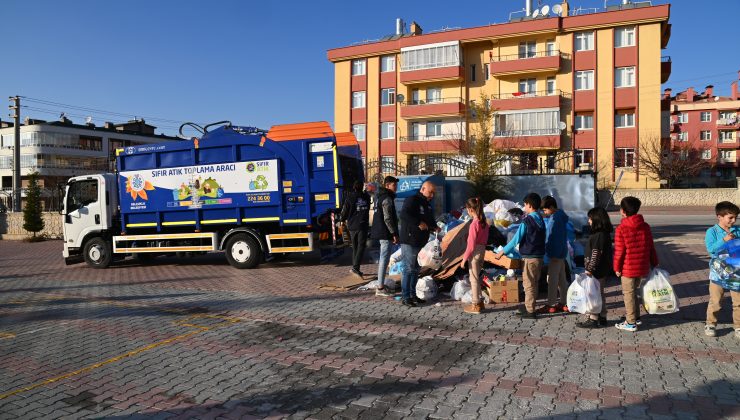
(504, 261)
(505, 292)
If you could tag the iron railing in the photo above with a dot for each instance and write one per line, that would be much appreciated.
(526, 55)
(431, 101)
(535, 94)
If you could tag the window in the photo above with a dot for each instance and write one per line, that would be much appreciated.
(528, 161)
(434, 129)
(486, 71)
(472, 72)
(81, 194)
(624, 158)
(550, 85)
(706, 135)
(527, 86)
(706, 116)
(584, 121)
(358, 99)
(387, 63)
(429, 57)
(624, 120)
(683, 136)
(388, 164)
(414, 131)
(388, 96)
(624, 77)
(359, 131)
(527, 123)
(727, 155)
(726, 136)
(624, 37)
(584, 41)
(585, 80)
(415, 97)
(683, 117)
(584, 156)
(550, 48)
(387, 130)
(434, 95)
(706, 154)
(683, 154)
(527, 49)
(358, 67)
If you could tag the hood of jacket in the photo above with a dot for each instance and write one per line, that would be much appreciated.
(633, 222)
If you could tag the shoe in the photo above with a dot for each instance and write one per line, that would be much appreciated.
(626, 327)
(602, 321)
(624, 320)
(473, 308)
(547, 309)
(563, 308)
(710, 330)
(356, 272)
(589, 323)
(408, 302)
(382, 292)
(529, 315)
(418, 301)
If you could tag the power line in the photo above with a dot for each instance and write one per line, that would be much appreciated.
(69, 114)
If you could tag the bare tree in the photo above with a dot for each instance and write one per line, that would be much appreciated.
(661, 161)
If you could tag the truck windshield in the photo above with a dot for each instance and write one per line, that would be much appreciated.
(81, 193)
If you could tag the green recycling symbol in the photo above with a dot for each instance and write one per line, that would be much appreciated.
(260, 183)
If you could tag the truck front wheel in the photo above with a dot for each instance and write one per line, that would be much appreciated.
(98, 253)
(243, 251)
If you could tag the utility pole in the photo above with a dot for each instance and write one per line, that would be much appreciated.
(16, 193)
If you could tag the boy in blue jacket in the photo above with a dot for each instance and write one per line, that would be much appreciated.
(715, 238)
(531, 240)
(556, 250)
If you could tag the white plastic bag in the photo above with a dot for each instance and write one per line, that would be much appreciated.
(658, 295)
(459, 289)
(426, 288)
(395, 257)
(584, 295)
(431, 255)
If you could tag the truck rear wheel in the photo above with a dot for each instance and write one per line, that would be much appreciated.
(98, 253)
(243, 251)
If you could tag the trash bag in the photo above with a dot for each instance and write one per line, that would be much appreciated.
(395, 257)
(397, 268)
(426, 288)
(658, 295)
(584, 295)
(459, 289)
(431, 255)
(389, 285)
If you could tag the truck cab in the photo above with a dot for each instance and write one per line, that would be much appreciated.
(90, 205)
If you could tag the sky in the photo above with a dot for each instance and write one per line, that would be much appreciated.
(259, 63)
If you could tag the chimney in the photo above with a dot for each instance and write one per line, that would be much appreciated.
(735, 93)
(709, 91)
(566, 7)
(109, 125)
(690, 93)
(667, 93)
(415, 28)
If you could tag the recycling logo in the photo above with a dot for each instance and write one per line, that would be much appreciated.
(259, 183)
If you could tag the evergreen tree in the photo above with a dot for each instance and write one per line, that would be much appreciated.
(486, 183)
(32, 220)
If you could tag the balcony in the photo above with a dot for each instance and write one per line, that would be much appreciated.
(532, 139)
(432, 144)
(726, 160)
(435, 74)
(665, 68)
(540, 62)
(728, 123)
(530, 100)
(438, 107)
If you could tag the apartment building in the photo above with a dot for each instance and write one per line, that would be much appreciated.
(573, 90)
(58, 150)
(710, 126)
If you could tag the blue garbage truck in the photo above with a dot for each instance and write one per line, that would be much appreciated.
(247, 192)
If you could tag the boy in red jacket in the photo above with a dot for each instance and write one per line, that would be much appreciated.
(634, 255)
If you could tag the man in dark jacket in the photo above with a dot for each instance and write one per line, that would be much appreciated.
(385, 227)
(356, 215)
(417, 222)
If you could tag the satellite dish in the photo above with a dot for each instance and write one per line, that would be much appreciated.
(545, 10)
(400, 97)
(88, 120)
(536, 13)
(557, 9)
(561, 125)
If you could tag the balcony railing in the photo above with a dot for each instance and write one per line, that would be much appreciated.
(728, 121)
(535, 94)
(531, 132)
(510, 57)
(432, 101)
(432, 137)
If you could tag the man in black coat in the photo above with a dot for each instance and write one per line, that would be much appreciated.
(385, 227)
(356, 214)
(417, 222)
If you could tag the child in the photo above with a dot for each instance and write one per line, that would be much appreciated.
(716, 236)
(531, 240)
(556, 251)
(477, 239)
(598, 260)
(634, 254)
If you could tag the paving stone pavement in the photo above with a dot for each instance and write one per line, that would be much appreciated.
(198, 339)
